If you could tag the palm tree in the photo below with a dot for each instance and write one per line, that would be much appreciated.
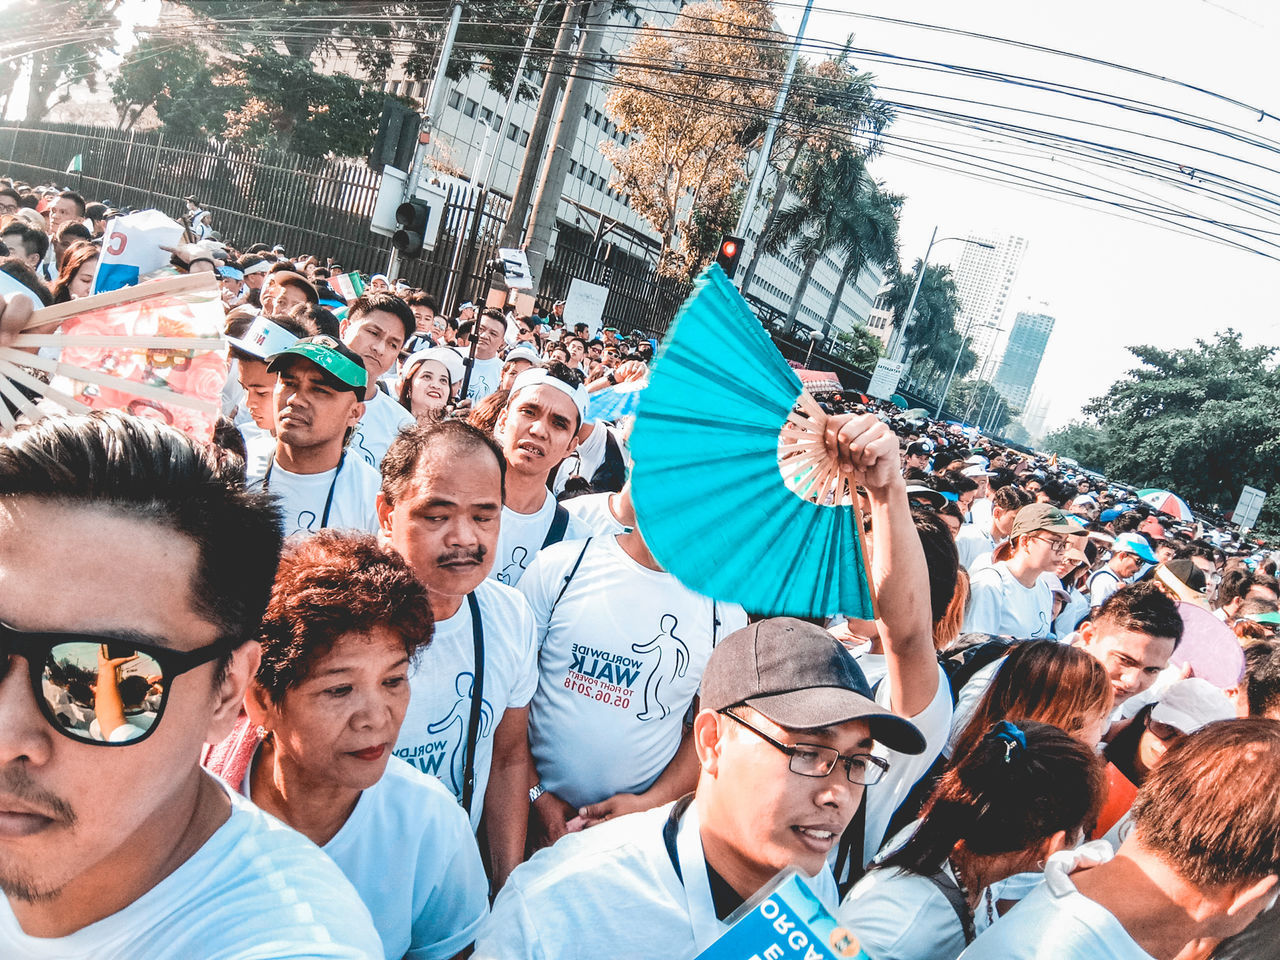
(821, 218)
(871, 237)
(928, 331)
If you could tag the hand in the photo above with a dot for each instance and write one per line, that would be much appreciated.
(459, 410)
(15, 313)
(618, 805)
(548, 820)
(865, 447)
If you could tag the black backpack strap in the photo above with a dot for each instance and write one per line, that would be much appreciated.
(611, 475)
(569, 578)
(959, 904)
(477, 702)
(559, 524)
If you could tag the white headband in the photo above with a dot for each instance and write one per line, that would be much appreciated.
(539, 377)
(261, 267)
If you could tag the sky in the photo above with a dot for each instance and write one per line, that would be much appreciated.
(1109, 282)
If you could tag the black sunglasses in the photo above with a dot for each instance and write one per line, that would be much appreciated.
(101, 690)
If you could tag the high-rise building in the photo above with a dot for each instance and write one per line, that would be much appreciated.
(1016, 376)
(984, 277)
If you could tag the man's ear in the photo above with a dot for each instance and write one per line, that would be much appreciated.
(384, 510)
(229, 697)
(707, 740)
(1084, 634)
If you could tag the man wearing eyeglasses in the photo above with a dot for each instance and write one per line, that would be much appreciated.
(1009, 598)
(134, 577)
(788, 738)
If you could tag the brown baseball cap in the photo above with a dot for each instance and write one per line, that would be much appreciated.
(800, 677)
(1043, 516)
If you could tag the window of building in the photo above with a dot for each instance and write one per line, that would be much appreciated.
(455, 99)
(470, 108)
(524, 138)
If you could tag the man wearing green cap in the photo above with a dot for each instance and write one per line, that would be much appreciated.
(1009, 598)
(317, 405)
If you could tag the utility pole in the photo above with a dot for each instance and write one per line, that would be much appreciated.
(535, 152)
(757, 178)
(542, 219)
(435, 103)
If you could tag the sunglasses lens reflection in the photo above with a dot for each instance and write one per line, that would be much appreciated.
(102, 693)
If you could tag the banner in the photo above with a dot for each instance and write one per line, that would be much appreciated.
(131, 249)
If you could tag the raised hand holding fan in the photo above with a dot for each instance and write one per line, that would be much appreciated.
(734, 486)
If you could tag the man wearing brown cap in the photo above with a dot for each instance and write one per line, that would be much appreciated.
(1009, 598)
(788, 738)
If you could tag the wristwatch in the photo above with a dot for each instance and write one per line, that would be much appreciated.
(536, 791)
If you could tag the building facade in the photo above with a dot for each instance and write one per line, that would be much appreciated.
(984, 278)
(1016, 376)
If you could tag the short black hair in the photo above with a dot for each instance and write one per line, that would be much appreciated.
(74, 198)
(421, 440)
(159, 475)
(33, 240)
(1143, 608)
(387, 302)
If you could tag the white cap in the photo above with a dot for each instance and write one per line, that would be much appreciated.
(442, 355)
(263, 339)
(1190, 704)
(975, 471)
(523, 351)
(378, 276)
(539, 377)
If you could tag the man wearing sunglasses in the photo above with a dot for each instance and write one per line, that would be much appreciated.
(134, 575)
(1010, 598)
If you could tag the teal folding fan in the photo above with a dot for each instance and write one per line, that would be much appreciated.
(733, 489)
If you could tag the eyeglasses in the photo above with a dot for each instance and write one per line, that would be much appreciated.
(100, 690)
(1056, 544)
(7, 208)
(813, 760)
(1163, 731)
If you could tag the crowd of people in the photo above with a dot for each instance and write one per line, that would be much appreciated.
(388, 669)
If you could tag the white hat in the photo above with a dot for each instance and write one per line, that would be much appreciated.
(263, 339)
(1190, 704)
(442, 355)
(539, 377)
(378, 276)
(975, 471)
(523, 351)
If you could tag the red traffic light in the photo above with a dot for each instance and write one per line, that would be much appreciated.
(730, 251)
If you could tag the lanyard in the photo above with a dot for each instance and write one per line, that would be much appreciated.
(333, 485)
(691, 868)
(477, 703)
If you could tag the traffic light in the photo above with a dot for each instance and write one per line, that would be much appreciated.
(729, 254)
(411, 221)
(397, 137)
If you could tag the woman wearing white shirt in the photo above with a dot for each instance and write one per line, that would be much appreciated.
(1024, 792)
(314, 749)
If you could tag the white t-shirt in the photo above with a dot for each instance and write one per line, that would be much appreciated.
(521, 535)
(1102, 585)
(259, 445)
(1000, 605)
(433, 737)
(585, 460)
(973, 542)
(592, 509)
(302, 496)
(383, 419)
(1056, 920)
(620, 660)
(409, 851)
(611, 891)
(486, 375)
(903, 916)
(255, 890)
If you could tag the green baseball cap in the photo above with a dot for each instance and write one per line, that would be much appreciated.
(341, 365)
(1043, 516)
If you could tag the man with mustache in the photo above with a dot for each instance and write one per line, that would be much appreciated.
(440, 508)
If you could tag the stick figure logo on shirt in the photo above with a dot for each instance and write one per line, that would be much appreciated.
(306, 520)
(459, 716)
(657, 679)
(357, 442)
(518, 556)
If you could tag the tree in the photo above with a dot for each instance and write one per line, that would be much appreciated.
(86, 27)
(1200, 421)
(927, 334)
(689, 129)
(831, 107)
(871, 237)
(860, 347)
(177, 82)
(1084, 442)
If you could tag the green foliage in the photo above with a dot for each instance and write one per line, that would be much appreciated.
(31, 29)
(930, 336)
(860, 347)
(177, 81)
(1086, 443)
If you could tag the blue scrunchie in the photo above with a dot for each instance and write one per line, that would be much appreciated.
(1011, 735)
